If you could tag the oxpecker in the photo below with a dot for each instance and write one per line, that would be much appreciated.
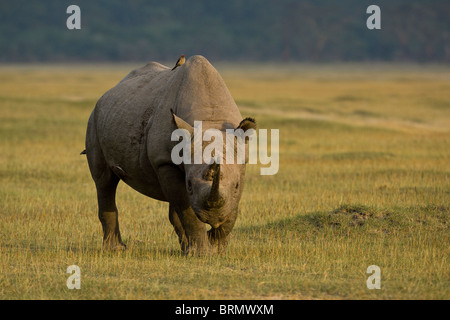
(180, 62)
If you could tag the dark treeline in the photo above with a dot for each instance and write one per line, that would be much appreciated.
(232, 30)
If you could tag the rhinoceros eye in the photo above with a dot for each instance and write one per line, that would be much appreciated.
(189, 186)
(237, 185)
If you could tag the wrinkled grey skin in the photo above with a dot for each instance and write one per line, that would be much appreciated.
(129, 138)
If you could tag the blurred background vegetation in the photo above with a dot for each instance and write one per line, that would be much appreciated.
(233, 30)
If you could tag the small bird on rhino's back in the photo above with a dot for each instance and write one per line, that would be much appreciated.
(180, 62)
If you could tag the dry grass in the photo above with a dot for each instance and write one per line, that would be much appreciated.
(364, 179)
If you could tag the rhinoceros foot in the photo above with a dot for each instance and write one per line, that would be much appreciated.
(196, 249)
(114, 247)
(112, 244)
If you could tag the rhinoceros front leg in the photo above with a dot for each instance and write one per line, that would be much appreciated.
(195, 240)
(177, 225)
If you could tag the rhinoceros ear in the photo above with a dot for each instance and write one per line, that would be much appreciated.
(181, 124)
(246, 124)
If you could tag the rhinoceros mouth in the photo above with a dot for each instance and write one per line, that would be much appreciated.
(217, 224)
(211, 217)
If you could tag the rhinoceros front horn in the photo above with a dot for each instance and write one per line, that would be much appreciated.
(215, 199)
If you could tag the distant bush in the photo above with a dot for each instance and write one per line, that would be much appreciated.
(412, 30)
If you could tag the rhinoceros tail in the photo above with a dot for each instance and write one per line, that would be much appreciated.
(83, 152)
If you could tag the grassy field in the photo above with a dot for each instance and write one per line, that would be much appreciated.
(364, 180)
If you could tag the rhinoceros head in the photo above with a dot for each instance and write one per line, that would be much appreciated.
(215, 188)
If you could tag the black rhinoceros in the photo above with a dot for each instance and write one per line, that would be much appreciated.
(129, 138)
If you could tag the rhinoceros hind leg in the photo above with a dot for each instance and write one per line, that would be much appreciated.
(108, 213)
(106, 183)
